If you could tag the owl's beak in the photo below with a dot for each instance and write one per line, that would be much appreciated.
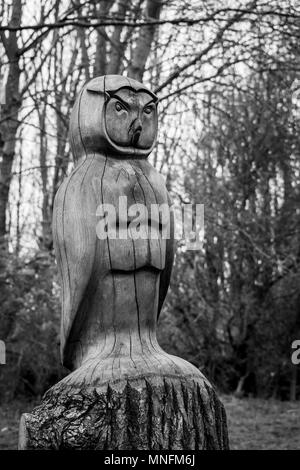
(136, 132)
(136, 136)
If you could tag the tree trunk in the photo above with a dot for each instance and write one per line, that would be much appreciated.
(293, 384)
(9, 118)
(148, 413)
(117, 46)
(101, 48)
(142, 48)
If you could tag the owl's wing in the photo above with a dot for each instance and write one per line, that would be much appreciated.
(166, 273)
(74, 239)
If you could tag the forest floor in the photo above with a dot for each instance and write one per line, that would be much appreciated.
(252, 423)
(262, 424)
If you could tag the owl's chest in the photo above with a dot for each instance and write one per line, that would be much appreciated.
(133, 215)
(137, 181)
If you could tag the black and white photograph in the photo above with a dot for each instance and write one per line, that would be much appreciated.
(150, 228)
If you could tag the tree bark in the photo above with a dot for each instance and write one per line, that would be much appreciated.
(143, 44)
(117, 46)
(101, 47)
(9, 118)
(148, 413)
(293, 384)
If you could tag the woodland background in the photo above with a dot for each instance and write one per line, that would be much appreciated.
(228, 77)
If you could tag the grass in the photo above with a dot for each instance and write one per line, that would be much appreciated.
(262, 424)
(252, 423)
(9, 423)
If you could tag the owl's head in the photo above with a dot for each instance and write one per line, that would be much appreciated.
(114, 115)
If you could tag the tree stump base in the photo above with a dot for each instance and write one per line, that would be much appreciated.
(144, 413)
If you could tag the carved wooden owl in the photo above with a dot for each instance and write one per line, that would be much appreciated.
(124, 391)
(112, 290)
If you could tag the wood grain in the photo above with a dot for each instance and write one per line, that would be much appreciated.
(144, 414)
(124, 391)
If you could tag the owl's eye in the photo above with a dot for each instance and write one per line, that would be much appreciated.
(119, 106)
(148, 110)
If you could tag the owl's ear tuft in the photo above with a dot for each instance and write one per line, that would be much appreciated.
(96, 85)
(94, 89)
